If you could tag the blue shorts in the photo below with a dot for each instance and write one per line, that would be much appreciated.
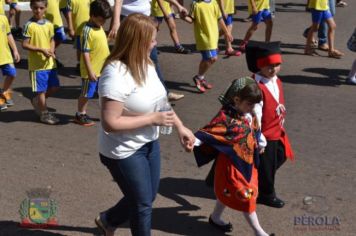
(228, 20)
(77, 42)
(89, 88)
(64, 10)
(8, 70)
(13, 5)
(261, 16)
(319, 16)
(159, 19)
(59, 34)
(41, 80)
(207, 54)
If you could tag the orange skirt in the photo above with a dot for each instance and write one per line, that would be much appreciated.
(232, 189)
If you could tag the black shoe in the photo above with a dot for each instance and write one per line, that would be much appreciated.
(272, 235)
(225, 228)
(272, 202)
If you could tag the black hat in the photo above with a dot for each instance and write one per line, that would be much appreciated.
(260, 54)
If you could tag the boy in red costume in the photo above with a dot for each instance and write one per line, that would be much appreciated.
(264, 59)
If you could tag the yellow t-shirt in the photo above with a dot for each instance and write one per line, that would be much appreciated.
(320, 5)
(62, 4)
(229, 6)
(260, 5)
(40, 34)
(14, 1)
(5, 55)
(206, 15)
(53, 14)
(80, 11)
(93, 41)
(156, 10)
(2, 5)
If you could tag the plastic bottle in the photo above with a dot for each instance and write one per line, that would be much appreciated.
(165, 106)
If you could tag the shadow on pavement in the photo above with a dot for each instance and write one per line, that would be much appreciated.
(30, 116)
(188, 87)
(171, 49)
(64, 92)
(12, 228)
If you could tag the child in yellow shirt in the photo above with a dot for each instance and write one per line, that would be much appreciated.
(94, 51)
(38, 34)
(7, 62)
(206, 17)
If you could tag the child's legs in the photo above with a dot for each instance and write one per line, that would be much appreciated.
(217, 213)
(173, 29)
(250, 31)
(314, 27)
(331, 33)
(88, 90)
(228, 23)
(252, 219)
(44, 83)
(17, 16)
(9, 71)
(209, 57)
(268, 33)
(12, 12)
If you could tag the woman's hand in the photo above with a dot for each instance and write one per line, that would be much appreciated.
(186, 138)
(163, 118)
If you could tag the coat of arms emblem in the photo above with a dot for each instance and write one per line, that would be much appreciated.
(38, 210)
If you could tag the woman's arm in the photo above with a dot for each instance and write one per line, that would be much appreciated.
(113, 118)
(115, 21)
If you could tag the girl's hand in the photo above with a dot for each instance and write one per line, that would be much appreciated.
(164, 118)
(186, 138)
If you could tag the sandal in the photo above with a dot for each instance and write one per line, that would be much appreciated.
(336, 54)
(310, 52)
(232, 53)
(323, 47)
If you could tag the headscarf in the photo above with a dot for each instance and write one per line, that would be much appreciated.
(235, 87)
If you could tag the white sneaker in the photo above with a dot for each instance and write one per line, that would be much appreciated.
(175, 96)
(351, 81)
(48, 118)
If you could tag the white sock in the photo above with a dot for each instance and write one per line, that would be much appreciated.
(255, 224)
(217, 213)
(200, 77)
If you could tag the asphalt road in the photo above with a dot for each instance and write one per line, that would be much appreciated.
(321, 109)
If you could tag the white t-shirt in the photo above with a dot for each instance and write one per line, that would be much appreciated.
(118, 84)
(136, 6)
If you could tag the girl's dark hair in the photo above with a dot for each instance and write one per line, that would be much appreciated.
(251, 93)
(100, 8)
(33, 1)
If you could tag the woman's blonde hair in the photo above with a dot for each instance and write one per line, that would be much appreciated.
(132, 43)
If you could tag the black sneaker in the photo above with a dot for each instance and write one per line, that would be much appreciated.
(183, 50)
(84, 120)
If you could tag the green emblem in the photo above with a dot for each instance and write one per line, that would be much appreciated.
(38, 210)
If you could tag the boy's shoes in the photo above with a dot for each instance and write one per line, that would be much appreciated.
(175, 96)
(48, 118)
(351, 81)
(341, 4)
(336, 54)
(84, 120)
(182, 50)
(34, 102)
(104, 230)
(201, 84)
(224, 228)
(272, 202)
(3, 105)
(8, 98)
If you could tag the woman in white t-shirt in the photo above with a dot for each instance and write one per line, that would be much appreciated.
(129, 91)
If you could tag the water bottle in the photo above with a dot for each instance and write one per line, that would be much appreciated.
(165, 106)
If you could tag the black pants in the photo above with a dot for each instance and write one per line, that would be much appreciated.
(273, 157)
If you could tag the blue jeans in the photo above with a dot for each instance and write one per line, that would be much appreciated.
(138, 178)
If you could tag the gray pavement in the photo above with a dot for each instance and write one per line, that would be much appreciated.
(320, 122)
